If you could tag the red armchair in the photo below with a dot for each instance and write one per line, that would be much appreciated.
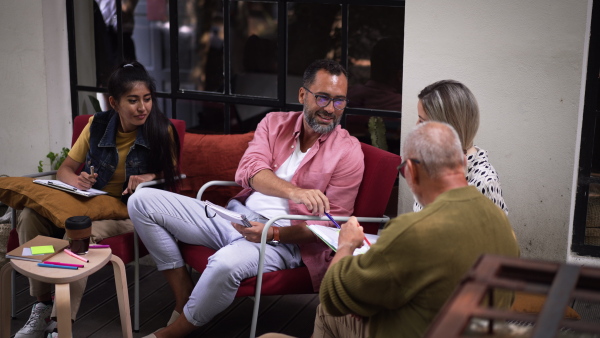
(373, 195)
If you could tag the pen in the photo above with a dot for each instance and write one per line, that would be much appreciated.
(58, 266)
(339, 227)
(92, 170)
(65, 264)
(99, 246)
(334, 222)
(74, 255)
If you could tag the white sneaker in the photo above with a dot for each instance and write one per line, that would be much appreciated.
(37, 322)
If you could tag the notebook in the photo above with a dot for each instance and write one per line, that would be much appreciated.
(56, 184)
(227, 214)
(330, 235)
(25, 250)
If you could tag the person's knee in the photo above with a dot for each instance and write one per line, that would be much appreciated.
(30, 224)
(136, 203)
(228, 266)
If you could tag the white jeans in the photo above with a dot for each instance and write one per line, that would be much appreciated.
(162, 218)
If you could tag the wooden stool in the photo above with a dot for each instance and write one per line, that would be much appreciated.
(61, 278)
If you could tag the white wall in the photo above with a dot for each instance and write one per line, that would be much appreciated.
(35, 113)
(523, 60)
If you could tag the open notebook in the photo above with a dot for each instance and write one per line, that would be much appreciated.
(330, 235)
(56, 184)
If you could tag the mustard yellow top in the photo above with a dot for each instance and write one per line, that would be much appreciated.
(124, 142)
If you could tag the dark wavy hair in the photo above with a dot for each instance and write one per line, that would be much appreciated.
(156, 127)
(330, 66)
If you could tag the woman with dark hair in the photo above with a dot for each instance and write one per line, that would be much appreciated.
(131, 143)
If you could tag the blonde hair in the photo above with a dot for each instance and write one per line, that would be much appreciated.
(452, 102)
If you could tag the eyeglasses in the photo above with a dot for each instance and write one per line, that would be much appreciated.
(323, 100)
(403, 164)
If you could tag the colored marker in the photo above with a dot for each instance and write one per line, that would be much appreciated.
(74, 255)
(58, 266)
(65, 264)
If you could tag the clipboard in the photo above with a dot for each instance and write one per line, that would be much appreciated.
(56, 184)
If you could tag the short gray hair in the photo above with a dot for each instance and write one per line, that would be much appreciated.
(436, 145)
(452, 102)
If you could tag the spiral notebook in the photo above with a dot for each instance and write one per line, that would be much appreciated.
(56, 184)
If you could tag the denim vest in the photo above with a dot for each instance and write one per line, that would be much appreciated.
(103, 154)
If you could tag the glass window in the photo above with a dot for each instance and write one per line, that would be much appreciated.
(146, 38)
(201, 43)
(202, 117)
(92, 102)
(254, 48)
(375, 57)
(248, 51)
(314, 32)
(89, 42)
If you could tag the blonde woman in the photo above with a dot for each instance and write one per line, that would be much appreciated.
(452, 102)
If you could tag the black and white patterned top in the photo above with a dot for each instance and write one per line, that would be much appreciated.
(481, 174)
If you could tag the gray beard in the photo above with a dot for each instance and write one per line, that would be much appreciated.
(319, 128)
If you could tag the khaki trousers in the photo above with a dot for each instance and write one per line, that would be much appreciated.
(31, 224)
(328, 326)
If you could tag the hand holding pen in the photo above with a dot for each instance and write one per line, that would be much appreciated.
(351, 233)
(85, 181)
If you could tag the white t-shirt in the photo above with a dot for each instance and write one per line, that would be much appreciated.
(271, 206)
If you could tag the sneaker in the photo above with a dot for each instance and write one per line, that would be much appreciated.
(37, 322)
(51, 329)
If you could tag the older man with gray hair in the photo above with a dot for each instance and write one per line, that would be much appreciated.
(397, 287)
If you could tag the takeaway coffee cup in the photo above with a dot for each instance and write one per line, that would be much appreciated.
(79, 230)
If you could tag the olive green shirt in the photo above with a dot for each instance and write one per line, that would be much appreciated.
(401, 283)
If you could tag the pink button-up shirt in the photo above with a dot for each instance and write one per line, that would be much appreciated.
(333, 165)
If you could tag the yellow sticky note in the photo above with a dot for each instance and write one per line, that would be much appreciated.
(42, 249)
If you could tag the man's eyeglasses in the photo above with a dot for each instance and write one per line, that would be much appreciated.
(403, 164)
(323, 100)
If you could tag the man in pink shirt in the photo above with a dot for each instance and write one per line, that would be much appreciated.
(298, 163)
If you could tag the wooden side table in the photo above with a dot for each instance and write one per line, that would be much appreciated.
(61, 278)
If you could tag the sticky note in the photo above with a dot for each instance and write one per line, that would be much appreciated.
(42, 249)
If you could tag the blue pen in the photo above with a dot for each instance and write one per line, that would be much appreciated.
(58, 266)
(339, 227)
(334, 222)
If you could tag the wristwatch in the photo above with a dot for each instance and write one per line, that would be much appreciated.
(275, 240)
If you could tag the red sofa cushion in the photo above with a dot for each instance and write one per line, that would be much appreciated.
(212, 157)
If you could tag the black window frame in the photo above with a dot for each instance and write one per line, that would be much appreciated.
(227, 98)
(590, 131)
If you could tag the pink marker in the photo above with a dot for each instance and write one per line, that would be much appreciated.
(65, 264)
(72, 254)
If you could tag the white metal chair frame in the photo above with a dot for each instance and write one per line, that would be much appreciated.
(263, 242)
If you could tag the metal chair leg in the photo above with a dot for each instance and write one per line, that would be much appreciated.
(136, 286)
